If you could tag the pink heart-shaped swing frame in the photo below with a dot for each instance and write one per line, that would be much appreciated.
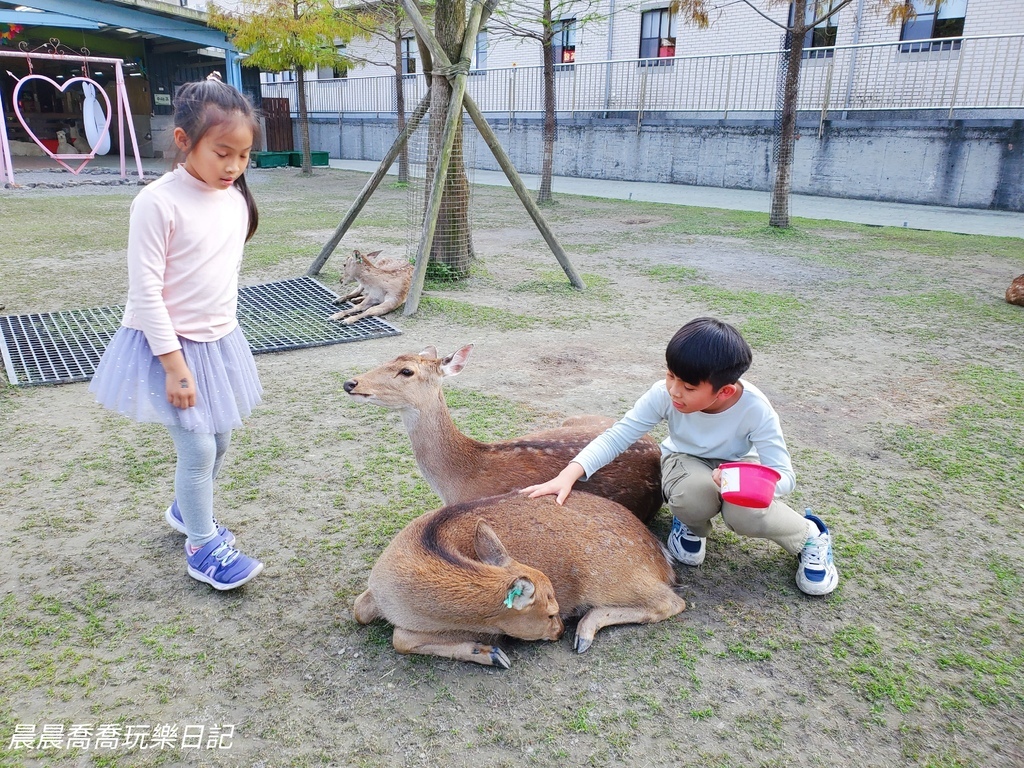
(60, 158)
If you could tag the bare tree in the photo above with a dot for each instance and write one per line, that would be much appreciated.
(386, 20)
(554, 24)
(452, 247)
(804, 16)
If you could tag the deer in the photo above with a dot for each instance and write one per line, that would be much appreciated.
(1015, 293)
(456, 578)
(460, 468)
(382, 284)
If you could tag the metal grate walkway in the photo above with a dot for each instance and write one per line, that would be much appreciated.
(63, 347)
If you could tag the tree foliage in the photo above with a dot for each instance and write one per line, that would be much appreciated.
(281, 35)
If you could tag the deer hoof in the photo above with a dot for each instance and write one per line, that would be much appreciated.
(582, 644)
(499, 659)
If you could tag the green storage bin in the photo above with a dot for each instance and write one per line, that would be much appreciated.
(316, 158)
(269, 159)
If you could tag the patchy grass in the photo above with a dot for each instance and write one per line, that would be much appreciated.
(890, 356)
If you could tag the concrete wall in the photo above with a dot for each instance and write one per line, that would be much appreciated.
(961, 163)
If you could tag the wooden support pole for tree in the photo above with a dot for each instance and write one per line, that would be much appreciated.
(524, 194)
(371, 185)
(452, 124)
(441, 59)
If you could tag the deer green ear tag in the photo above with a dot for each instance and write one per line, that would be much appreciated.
(512, 595)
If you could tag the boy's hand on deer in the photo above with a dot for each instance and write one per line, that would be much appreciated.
(559, 486)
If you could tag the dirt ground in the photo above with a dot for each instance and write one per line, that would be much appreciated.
(890, 356)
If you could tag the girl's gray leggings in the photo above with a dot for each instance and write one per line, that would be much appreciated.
(200, 455)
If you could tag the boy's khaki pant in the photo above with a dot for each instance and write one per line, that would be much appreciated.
(695, 499)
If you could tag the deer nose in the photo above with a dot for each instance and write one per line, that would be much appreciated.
(350, 385)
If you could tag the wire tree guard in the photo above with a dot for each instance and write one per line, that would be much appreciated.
(122, 109)
(459, 100)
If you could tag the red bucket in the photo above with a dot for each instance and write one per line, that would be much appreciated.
(748, 484)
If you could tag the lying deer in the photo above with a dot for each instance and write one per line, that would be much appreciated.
(381, 285)
(511, 565)
(1015, 293)
(460, 468)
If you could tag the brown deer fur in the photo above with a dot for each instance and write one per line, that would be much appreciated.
(459, 468)
(1015, 293)
(511, 565)
(381, 285)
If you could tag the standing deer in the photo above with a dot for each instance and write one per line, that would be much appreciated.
(460, 468)
(381, 285)
(511, 565)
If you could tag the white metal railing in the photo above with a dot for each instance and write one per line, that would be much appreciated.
(983, 72)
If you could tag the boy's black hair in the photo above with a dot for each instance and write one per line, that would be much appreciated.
(201, 105)
(706, 349)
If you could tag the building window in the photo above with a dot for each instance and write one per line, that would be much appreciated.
(341, 69)
(408, 56)
(563, 41)
(657, 36)
(823, 35)
(931, 22)
(480, 51)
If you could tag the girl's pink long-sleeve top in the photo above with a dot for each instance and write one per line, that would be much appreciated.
(185, 242)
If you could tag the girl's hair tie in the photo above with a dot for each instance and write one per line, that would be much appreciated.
(215, 75)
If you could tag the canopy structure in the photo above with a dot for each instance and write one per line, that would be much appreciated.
(166, 28)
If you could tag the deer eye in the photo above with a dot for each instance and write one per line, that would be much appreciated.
(405, 372)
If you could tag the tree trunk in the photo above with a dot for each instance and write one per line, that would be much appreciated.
(300, 85)
(548, 136)
(779, 213)
(403, 157)
(452, 246)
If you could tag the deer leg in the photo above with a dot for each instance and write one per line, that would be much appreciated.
(365, 608)
(357, 306)
(596, 618)
(348, 296)
(458, 647)
(375, 311)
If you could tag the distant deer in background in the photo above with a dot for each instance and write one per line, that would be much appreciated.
(1015, 293)
(460, 468)
(381, 285)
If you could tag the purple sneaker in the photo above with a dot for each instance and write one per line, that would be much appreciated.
(173, 518)
(221, 566)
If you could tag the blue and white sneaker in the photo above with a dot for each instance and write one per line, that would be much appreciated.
(816, 574)
(174, 519)
(221, 566)
(684, 546)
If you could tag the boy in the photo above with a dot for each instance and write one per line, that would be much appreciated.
(713, 417)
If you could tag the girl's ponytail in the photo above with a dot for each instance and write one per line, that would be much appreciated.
(250, 202)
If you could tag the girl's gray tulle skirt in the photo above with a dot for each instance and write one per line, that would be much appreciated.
(130, 380)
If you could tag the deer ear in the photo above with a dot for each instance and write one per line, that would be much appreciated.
(373, 255)
(358, 256)
(520, 594)
(456, 361)
(429, 352)
(488, 546)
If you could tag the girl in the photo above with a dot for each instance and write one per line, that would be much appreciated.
(179, 357)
